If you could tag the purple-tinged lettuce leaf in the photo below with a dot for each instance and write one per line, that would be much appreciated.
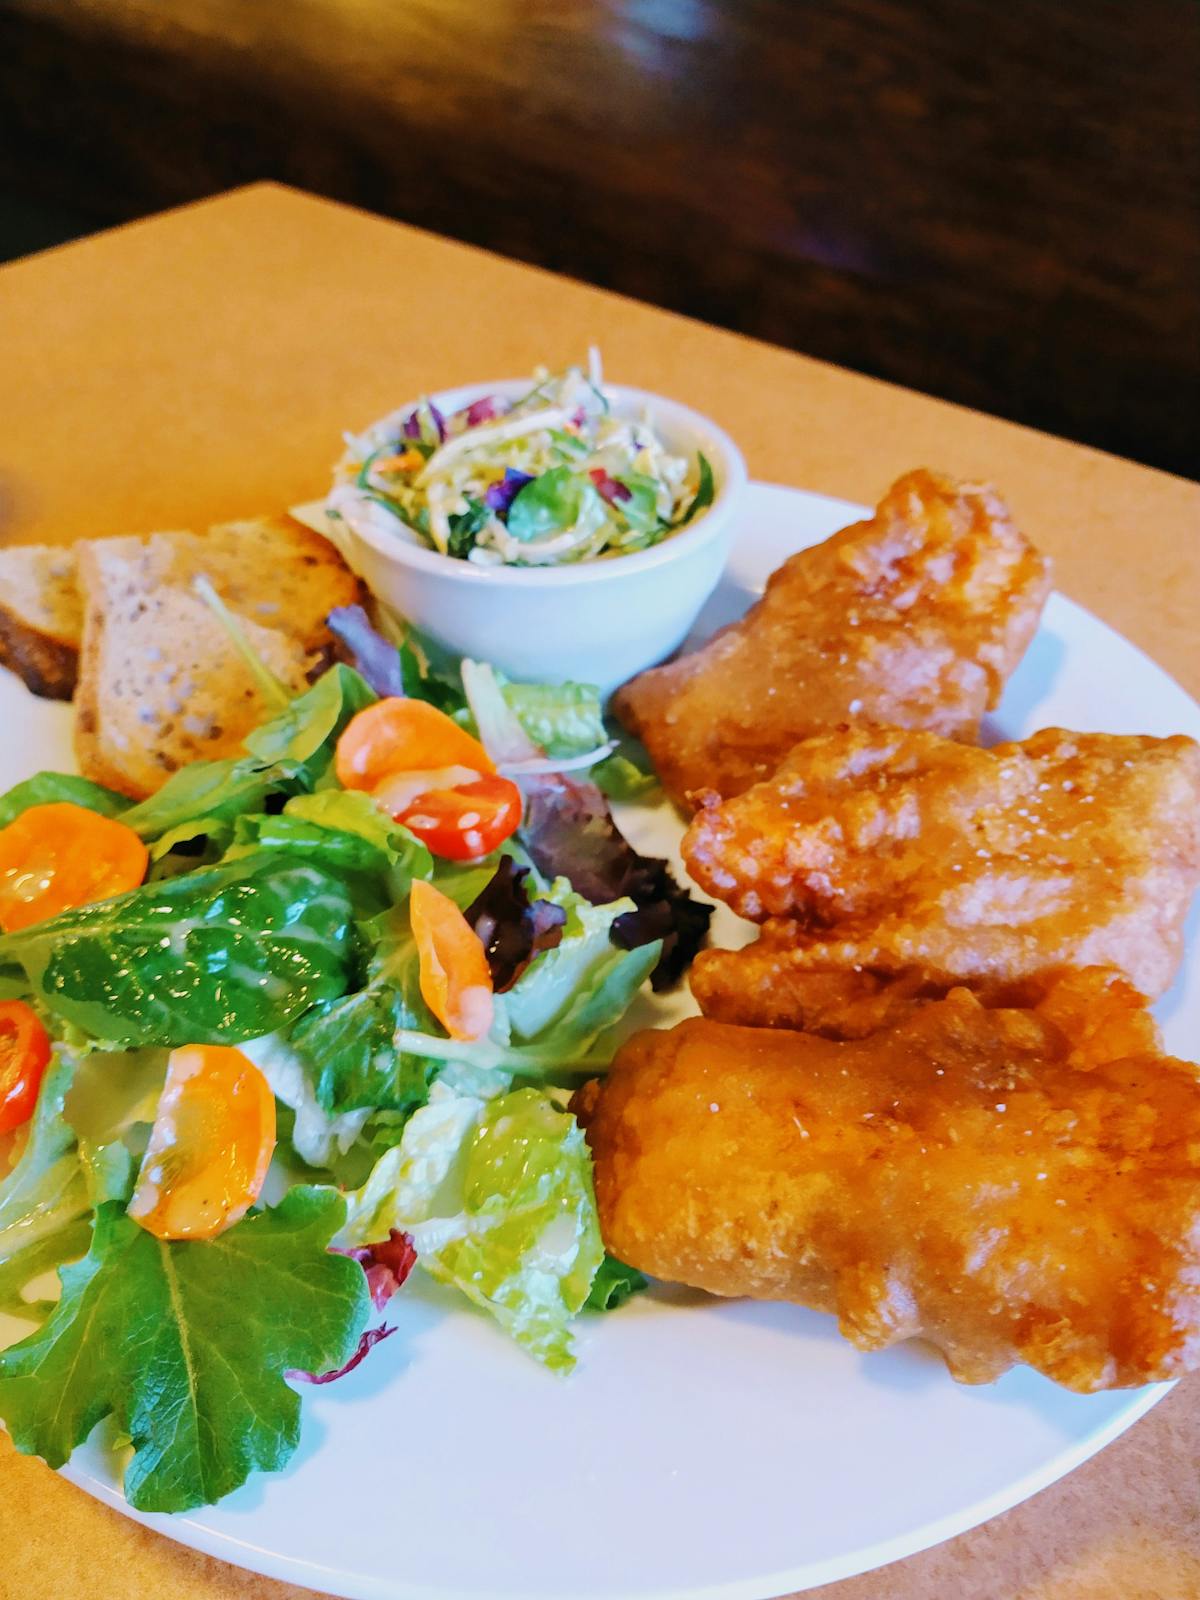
(569, 831)
(375, 658)
(366, 1344)
(512, 928)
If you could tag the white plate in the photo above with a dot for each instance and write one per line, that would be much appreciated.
(701, 1449)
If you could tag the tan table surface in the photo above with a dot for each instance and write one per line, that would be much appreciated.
(202, 365)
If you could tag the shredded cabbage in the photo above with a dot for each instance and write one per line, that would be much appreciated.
(553, 477)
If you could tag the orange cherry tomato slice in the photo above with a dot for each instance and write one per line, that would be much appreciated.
(210, 1147)
(24, 1053)
(59, 856)
(399, 735)
(466, 821)
(456, 981)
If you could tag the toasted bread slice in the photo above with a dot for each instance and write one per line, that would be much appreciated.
(271, 570)
(160, 683)
(41, 617)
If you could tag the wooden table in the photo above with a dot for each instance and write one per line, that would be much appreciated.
(201, 365)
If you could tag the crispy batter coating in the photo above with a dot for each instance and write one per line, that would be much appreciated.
(1099, 1011)
(903, 852)
(953, 1177)
(915, 618)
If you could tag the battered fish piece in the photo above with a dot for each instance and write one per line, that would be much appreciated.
(954, 1178)
(905, 853)
(915, 618)
(1096, 1008)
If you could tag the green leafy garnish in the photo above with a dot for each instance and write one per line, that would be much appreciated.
(50, 787)
(465, 528)
(552, 503)
(349, 1044)
(216, 957)
(640, 509)
(186, 1346)
(207, 790)
(613, 1285)
(307, 731)
(621, 778)
(563, 719)
(705, 492)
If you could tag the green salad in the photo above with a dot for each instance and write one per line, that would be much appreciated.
(554, 476)
(274, 931)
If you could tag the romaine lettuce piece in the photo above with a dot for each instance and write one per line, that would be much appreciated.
(497, 1198)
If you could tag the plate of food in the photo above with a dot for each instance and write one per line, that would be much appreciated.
(491, 1106)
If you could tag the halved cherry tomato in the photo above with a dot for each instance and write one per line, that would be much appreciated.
(456, 981)
(59, 856)
(24, 1052)
(466, 821)
(398, 735)
(210, 1147)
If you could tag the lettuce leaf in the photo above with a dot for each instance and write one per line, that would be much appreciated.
(306, 733)
(216, 956)
(497, 1198)
(613, 1285)
(185, 1345)
(48, 787)
(564, 719)
(44, 1200)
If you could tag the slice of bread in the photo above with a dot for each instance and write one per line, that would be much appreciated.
(41, 617)
(160, 682)
(272, 569)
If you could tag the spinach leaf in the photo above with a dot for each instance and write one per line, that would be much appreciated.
(465, 528)
(348, 1045)
(220, 790)
(705, 492)
(552, 503)
(306, 733)
(217, 956)
(47, 787)
(186, 1346)
(640, 510)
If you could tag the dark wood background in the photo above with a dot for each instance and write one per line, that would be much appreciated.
(994, 200)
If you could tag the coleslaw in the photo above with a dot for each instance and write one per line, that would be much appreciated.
(552, 477)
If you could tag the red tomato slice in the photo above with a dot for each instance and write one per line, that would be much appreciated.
(59, 856)
(466, 821)
(24, 1053)
(398, 735)
(210, 1147)
(456, 981)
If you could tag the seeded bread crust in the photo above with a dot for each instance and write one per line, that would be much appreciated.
(41, 617)
(160, 684)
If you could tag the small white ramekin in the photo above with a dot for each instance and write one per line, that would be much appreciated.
(593, 621)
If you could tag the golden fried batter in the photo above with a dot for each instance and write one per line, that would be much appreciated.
(903, 852)
(953, 1177)
(1099, 1012)
(915, 618)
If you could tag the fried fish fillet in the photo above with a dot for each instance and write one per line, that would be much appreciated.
(915, 618)
(758, 988)
(953, 1177)
(900, 852)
